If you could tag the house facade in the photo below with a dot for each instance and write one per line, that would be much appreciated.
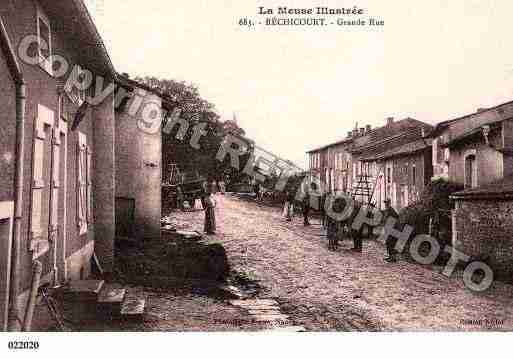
(476, 151)
(331, 165)
(58, 182)
(375, 164)
(391, 163)
(401, 173)
(138, 151)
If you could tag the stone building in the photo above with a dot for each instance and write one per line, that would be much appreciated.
(331, 165)
(483, 225)
(476, 151)
(58, 180)
(379, 160)
(359, 163)
(138, 163)
(404, 171)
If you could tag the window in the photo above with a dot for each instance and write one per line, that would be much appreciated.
(63, 107)
(44, 35)
(389, 175)
(413, 174)
(75, 94)
(404, 196)
(84, 184)
(470, 171)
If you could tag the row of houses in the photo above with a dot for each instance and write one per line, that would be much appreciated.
(398, 160)
(389, 162)
(73, 174)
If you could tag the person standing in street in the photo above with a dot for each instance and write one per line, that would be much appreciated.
(306, 203)
(357, 239)
(210, 215)
(391, 241)
(288, 209)
(222, 186)
(256, 189)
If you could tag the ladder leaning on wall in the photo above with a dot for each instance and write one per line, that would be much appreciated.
(174, 174)
(365, 187)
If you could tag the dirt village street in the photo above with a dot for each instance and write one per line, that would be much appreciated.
(313, 288)
(344, 290)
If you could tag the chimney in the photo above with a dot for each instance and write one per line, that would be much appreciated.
(390, 120)
(355, 132)
(362, 131)
(349, 134)
(368, 128)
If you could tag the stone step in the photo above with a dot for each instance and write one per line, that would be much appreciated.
(272, 311)
(133, 307)
(254, 303)
(86, 290)
(192, 235)
(110, 299)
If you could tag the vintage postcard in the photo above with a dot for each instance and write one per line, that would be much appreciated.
(275, 167)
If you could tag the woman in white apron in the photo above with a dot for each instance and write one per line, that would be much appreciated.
(210, 215)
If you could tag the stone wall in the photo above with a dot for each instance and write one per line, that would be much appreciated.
(104, 182)
(42, 89)
(139, 165)
(7, 131)
(484, 230)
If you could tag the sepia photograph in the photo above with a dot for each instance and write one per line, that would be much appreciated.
(256, 177)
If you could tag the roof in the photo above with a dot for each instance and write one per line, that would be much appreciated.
(501, 189)
(403, 150)
(380, 134)
(10, 54)
(396, 136)
(386, 138)
(341, 142)
(442, 125)
(469, 134)
(130, 84)
(72, 20)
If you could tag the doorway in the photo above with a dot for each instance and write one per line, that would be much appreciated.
(125, 217)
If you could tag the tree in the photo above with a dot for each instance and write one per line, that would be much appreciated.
(197, 111)
(432, 214)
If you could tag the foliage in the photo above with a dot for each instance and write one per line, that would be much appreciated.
(197, 111)
(181, 94)
(436, 195)
(434, 205)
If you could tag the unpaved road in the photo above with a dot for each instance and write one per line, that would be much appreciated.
(342, 290)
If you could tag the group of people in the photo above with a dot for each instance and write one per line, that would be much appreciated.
(335, 229)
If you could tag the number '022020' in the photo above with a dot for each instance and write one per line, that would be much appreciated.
(23, 345)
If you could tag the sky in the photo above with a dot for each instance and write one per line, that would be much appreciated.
(294, 89)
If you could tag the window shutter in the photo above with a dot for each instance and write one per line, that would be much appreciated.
(82, 184)
(39, 230)
(89, 186)
(55, 185)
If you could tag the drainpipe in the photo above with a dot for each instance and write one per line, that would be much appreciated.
(14, 323)
(14, 317)
(31, 305)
